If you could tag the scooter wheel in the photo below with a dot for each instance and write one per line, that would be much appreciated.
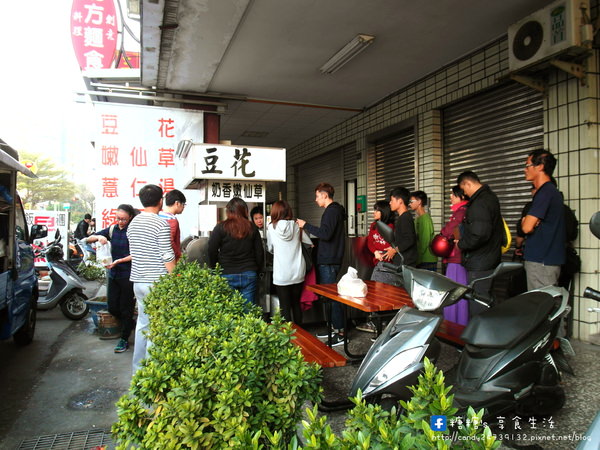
(74, 306)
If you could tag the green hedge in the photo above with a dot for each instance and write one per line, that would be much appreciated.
(218, 375)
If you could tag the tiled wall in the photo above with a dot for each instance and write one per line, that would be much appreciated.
(423, 99)
(571, 131)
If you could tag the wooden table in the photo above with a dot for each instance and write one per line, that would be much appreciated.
(380, 297)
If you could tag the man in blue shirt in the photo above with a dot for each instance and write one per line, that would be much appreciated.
(544, 223)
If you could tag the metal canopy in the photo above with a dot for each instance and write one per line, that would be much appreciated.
(262, 57)
(8, 162)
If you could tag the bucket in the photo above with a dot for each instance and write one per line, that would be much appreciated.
(108, 325)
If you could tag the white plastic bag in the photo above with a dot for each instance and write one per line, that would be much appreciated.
(103, 254)
(351, 285)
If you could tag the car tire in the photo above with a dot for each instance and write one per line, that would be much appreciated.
(74, 306)
(24, 335)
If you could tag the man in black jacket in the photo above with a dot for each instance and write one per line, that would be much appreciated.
(81, 232)
(331, 234)
(482, 232)
(405, 238)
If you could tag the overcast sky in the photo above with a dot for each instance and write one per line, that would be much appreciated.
(38, 77)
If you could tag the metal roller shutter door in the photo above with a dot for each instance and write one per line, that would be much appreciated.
(492, 134)
(327, 168)
(391, 165)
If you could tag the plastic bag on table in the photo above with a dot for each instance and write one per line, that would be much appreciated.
(351, 285)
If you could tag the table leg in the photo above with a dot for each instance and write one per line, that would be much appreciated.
(352, 356)
(328, 322)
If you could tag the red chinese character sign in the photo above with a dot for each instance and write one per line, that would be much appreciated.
(135, 146)
(94, 32)
(54, 220)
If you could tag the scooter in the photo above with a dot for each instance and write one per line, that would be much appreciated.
(75, 253)
(507, 363)
(592, 441)
(64, 286)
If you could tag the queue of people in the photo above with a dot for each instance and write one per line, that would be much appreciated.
(147, 245)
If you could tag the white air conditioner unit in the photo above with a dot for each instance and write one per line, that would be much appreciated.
(555, 29)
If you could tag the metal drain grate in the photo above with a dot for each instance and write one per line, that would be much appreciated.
(79, 440)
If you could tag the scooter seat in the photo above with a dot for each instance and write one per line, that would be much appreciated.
(508, 322)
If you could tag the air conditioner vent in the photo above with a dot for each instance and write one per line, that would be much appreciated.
(553, 30)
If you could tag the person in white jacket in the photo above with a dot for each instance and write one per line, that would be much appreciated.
(284, 241)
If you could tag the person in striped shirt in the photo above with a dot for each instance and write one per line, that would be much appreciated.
(152, 256)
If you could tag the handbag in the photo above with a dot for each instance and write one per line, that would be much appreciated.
(306, 254)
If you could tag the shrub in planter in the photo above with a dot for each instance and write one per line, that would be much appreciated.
(218, 375)
(91, 271)
(368, 426)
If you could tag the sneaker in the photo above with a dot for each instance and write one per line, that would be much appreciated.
(337, 340)
(367, 327)
(324, 335)
(122, 346)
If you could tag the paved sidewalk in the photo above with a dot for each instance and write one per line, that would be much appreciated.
(77, 378)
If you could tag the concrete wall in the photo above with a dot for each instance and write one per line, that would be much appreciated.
(571, 111)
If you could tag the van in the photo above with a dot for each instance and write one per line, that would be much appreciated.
(18, 281)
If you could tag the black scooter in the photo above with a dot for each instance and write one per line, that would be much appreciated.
(507, 363)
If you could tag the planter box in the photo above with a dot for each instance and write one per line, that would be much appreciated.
(97, 304)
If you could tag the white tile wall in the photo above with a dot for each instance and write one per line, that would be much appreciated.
(571, 112)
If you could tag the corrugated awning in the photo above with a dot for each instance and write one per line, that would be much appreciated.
(8, 162)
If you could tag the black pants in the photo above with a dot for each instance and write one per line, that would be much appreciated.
(289, 302)
(121, 303)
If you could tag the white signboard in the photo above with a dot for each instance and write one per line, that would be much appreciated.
(228, 162)
(207, 217)
(135, 146)
(225, 190)
(54, 220)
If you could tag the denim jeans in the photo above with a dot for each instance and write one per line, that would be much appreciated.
(245, 283)
(142, 343)
(328, 274)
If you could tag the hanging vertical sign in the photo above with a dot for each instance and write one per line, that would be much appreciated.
(135, 146)
(94, 33)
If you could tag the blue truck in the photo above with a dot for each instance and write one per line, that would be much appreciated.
(18, 281)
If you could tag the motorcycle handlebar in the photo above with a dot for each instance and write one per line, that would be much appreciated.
(592, 293)
(479, 298)
(393, 268)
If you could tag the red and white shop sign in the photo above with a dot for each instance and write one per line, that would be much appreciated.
(135, 146)
(94, 32)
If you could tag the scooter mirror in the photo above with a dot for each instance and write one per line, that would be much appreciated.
(38, 231)
(502, 268)
(595, 224)
(388, 236)
(386, 233)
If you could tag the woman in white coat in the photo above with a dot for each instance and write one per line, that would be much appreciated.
(284, 240)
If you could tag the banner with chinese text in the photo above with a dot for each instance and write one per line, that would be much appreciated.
(54, 220)
(225, 190)
(135, 146)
